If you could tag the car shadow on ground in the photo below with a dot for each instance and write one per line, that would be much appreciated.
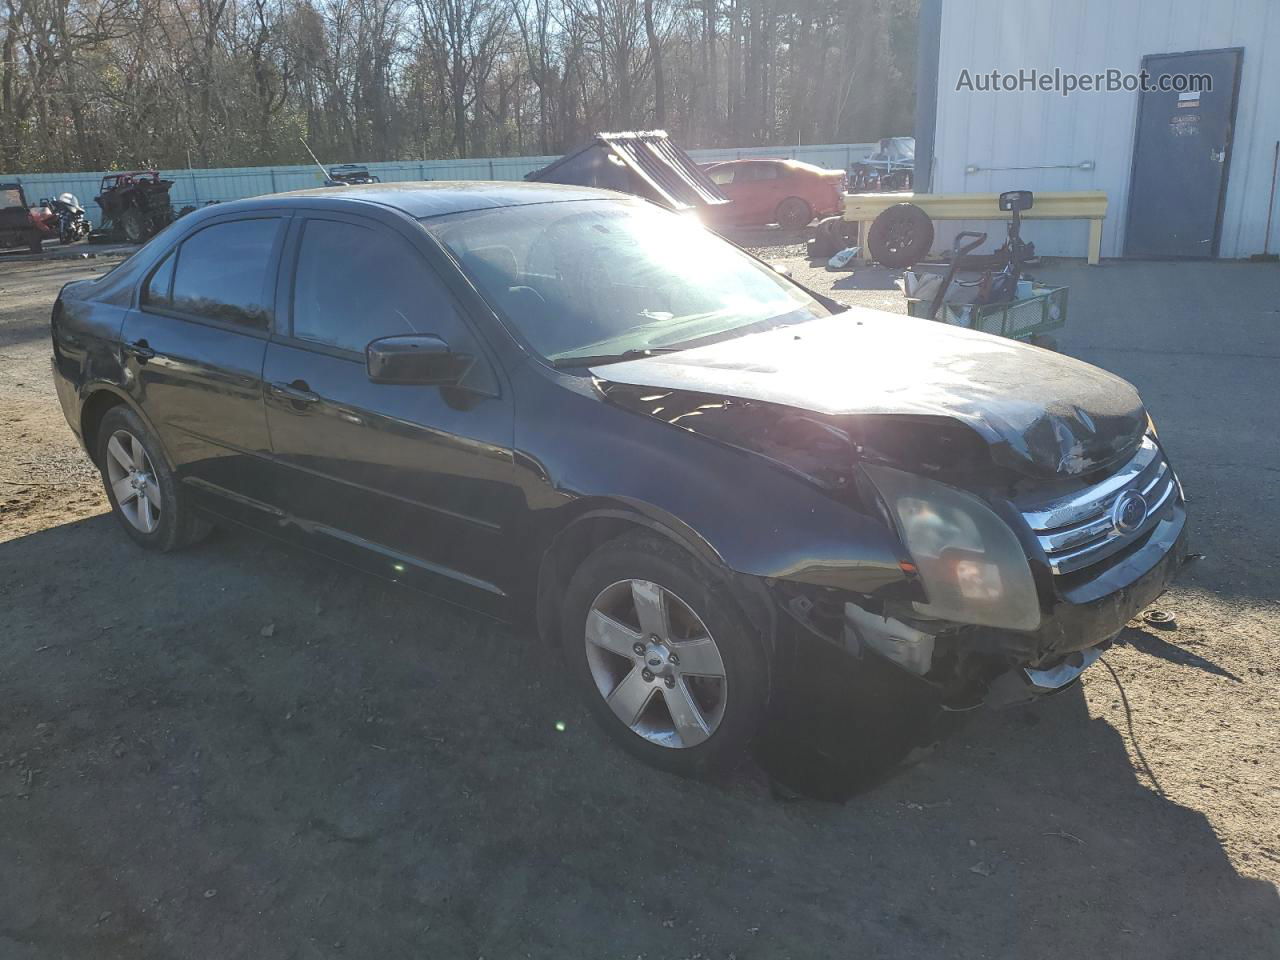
(1153, 644)
(870, 276)
(242, 746)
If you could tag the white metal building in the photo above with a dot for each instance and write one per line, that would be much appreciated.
(1186, 173)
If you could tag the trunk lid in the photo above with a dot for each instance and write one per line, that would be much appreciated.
(1042, 414)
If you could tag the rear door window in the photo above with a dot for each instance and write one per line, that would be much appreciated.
(356, 283)
(221, 272)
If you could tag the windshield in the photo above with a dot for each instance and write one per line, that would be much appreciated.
(596, 279)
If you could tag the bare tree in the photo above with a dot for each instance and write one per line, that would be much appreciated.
(90, 84)
(463, 36)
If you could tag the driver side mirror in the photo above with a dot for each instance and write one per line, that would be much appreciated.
(422, 359)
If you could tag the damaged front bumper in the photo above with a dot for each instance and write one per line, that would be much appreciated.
(1085, 630)
(854, 690)
(965, 666)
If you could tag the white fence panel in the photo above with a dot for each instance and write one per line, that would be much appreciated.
(198, 187)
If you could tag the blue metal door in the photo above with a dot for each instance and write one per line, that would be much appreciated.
(1181, 155)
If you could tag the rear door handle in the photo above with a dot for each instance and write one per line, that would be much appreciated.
(139, 350)
(297, 392)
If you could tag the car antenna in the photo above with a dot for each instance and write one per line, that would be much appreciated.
(327, 178)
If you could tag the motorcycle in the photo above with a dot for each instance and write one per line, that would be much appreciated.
(73, 225)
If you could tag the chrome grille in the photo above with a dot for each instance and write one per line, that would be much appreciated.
(1082, 528)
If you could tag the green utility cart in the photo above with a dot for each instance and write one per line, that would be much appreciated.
(1028, 319)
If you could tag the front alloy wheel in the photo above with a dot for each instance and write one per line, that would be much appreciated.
(133, 481)
(656, 664)
(664, 655)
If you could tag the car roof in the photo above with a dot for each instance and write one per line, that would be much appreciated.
(432, 198)
(785, 161)
(742, 160)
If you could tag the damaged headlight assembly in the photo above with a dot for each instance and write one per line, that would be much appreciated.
(972, 566)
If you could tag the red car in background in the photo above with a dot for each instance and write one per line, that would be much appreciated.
(787, 192)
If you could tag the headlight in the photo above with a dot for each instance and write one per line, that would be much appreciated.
(973, 568)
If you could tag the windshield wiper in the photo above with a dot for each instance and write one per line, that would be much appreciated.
(600, 358)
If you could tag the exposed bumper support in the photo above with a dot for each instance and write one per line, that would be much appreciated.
(1023, 684)
(1055, 678)
(906, 646)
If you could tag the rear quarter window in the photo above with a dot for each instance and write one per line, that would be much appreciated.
(155, 293)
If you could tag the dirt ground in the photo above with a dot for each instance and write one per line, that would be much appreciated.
(244, 751)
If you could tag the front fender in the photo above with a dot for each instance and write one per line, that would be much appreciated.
(755, 516)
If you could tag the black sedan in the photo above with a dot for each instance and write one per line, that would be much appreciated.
(737, 506)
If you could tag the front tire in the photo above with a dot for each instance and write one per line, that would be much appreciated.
(141, 488)
(665, 658)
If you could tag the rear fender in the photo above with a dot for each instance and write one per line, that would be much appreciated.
(92, 397)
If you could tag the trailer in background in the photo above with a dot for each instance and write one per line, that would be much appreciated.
(645, 163)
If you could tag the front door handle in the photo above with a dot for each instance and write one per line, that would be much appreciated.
(140, 350)
(296, 392)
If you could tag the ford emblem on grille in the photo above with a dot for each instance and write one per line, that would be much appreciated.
(1129, 512)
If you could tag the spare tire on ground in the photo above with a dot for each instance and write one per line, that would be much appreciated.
(832, 235)
(900, 236)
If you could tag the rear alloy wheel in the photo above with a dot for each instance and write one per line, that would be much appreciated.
(133, 481)
(141, 488)
(665, 658)
(794, 214)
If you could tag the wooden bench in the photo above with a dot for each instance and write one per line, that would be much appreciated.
(1088, 205)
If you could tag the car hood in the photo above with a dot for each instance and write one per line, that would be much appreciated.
(1040, 413)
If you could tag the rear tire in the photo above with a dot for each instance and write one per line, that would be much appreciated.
(900, 236)
(36, 246)
(794, 213)
(142, 490)
(702, 659)
(134, 225)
